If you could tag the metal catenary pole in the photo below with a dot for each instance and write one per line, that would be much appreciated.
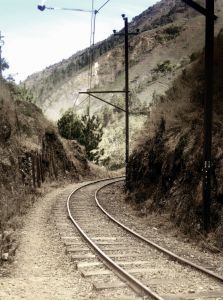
(208, 112)
(126, 89)
(208, 12)
(126, 35)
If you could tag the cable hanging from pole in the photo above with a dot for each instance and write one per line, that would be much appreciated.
(92, 45)
(90, 62)
(94, 12)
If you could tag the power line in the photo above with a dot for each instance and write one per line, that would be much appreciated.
(92, 45)
(91, 48)
(102, 6)
(79, 104)
(75, 101)
(94, 13)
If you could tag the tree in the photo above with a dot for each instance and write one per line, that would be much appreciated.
(4, 64)
(92, 136)
(86, 130)
(20, 92)
(70, 126)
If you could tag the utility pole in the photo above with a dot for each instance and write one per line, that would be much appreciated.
(94, 13)
(1, 44)
(126, 90)
(126, 35)
(208, 112)
(208, 12)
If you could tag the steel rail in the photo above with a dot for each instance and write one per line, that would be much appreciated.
(134, 283)
(172, 255)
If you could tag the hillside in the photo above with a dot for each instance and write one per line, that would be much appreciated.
(171, 36)
(165, 169)
(32, 155)
(55, 87)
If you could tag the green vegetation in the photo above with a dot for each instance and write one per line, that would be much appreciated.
(163, 68)
(165, 19)
(114, 141)
(172, 31)
(23, 93)
(4, 64)
(86, 130)
(170, 16)
(159, 38)
(194, 56)
(19, 92)
(165, 169)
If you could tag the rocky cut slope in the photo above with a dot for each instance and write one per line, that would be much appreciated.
(165, 169)
(31, 153)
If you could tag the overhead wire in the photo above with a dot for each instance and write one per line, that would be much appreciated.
(75, 101)
(90, 62)
(92, 45)
(79, 104)
(102, 5)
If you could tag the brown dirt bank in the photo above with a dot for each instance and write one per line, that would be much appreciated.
(165, 169)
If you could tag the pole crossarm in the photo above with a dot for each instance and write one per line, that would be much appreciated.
(198, 8)
(43, 7)
(98, 98)
(102, 92)
(122, 34)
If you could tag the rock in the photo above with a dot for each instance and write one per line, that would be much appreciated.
(5, 130)
(13, 249)
(5, 256)
(7, 234)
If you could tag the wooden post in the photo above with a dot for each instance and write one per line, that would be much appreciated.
(33, 171)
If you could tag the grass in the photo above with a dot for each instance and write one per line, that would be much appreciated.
(165, 170)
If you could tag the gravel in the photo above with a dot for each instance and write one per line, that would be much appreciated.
(41, 269)
(158, 228)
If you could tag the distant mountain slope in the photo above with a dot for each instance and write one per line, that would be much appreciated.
(171, 37)
(55, 87)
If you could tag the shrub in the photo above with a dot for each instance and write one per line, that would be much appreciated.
(173, 31)
(163, 68)
(20, 92)
(194, 56)
(86, 130)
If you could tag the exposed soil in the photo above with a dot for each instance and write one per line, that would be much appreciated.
(41, 269)
(166, 168)
(32, 155)
(159, 228)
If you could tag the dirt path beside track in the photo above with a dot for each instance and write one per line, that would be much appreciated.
(41, 269)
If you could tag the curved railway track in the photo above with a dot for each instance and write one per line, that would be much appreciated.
(150, 270)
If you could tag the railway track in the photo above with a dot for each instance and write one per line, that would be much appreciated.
(116, 258)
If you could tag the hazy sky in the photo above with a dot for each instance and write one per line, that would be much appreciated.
(35, 39)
